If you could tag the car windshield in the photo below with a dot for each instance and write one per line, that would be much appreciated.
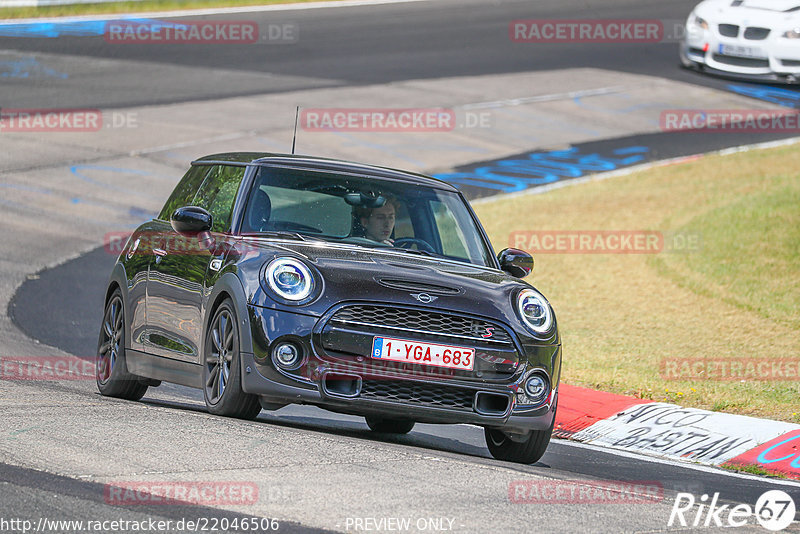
(364, 211)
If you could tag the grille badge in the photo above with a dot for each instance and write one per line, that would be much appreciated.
(484, 331)
(424, 297)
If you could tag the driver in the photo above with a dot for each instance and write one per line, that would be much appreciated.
(378, 223)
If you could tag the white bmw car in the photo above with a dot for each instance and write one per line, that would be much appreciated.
(752, 39)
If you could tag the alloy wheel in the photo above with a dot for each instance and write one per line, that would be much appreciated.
(109, 348)
(219, 358)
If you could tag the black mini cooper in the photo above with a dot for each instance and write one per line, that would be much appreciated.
(268, 280)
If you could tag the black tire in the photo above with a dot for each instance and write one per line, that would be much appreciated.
(222, 376)
(687, 63)
(390, 426)
(111, 371)
(527, 452)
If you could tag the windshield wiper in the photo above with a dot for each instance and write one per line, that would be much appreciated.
(281, 233)
(415, 251)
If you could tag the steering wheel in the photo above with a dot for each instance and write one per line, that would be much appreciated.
(407, 242)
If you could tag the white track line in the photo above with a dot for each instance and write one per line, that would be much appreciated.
(666, 461)
(548, 98)
(677, 463)
(212, 11)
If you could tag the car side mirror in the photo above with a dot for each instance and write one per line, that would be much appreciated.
(516, 262)
(191, 220)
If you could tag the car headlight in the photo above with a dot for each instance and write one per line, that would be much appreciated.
(700, 21)
(535, 311)
(792, 34)
(290, 279)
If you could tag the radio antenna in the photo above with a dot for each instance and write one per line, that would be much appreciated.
(294, 137)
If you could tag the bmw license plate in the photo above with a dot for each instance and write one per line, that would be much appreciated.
(403, 350)
(742, 51)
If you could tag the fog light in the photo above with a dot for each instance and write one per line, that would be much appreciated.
(536, 387)
(287, 356)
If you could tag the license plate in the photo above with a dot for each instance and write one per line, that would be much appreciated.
(403, 350)
(741, 51)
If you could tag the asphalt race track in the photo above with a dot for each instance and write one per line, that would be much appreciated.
(316, 471)
(377, 45)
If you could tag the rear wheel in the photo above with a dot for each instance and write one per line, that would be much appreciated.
(111, 372)
(222, 376)
(390, 426)
(502, 447)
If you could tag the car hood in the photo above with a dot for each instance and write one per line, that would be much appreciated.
(768, 13)
(352, 273)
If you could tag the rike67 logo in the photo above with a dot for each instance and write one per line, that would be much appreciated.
(774, 510)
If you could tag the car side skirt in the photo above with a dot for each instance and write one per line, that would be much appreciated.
(165, 369)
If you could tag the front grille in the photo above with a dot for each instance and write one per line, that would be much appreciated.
(755, 33)
(422, 394)
(421, 322)
(728, 30)
(741, 61)
(790, 62)
(410, 285)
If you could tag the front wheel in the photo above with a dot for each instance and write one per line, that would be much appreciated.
(522, 452)
(111, 372)
(525, 452)
(222, 376)
(686, 62)
(390, 426)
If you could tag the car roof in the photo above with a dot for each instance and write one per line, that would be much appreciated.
(323, 164)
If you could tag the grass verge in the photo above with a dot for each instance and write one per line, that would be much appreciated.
(753, 469)
(131, 7)
(735, 298)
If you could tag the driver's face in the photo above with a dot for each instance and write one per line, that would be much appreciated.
(380, 223)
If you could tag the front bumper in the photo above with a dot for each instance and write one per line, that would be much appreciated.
(775, 59)
(353, 385)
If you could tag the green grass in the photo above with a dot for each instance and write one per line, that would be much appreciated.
(751, 252)
(130, 7)
(752, 469)
(736, 297)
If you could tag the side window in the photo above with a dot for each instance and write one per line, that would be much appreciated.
(184, 192)
(403, 226)
(453, 243)
(218, 193)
